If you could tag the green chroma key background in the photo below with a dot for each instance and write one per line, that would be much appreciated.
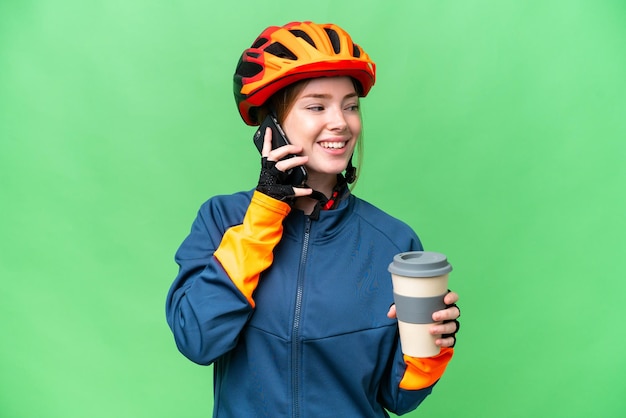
(497, 130)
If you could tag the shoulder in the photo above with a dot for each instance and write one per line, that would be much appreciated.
(372, 214)
(226, 210)
(214, 217)
(394, 229)
(225, 200)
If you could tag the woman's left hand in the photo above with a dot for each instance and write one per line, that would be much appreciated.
(448, 316)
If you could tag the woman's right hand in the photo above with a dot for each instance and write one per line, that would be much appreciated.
(273, 178)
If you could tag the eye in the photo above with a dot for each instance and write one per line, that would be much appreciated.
(353, 107)
(315, 108)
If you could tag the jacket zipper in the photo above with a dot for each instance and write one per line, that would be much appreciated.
(295, 346)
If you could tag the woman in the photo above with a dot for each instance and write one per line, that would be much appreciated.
(285, 289)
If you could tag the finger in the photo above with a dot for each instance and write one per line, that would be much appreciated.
(289, 163)
(451, 298)
(440, 329)
(301, 191)
(282, 152)
(267, 143)
(391, 314)
(445, 342)
(446, 314)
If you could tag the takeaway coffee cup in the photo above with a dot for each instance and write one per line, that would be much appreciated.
(420, 282)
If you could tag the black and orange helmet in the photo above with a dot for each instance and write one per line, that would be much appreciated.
(282, 55)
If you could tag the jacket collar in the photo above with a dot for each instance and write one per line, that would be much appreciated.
(328, 223)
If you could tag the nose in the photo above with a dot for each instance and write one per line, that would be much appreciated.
(337, 120)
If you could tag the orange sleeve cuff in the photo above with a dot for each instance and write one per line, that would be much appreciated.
(247, 249)
(424, 372)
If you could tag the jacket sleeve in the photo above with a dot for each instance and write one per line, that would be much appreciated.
(412, 380)
(210, 300)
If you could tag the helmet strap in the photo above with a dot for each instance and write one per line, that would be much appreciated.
(325, 203)
(350, 172)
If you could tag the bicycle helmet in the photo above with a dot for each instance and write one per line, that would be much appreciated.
(282, 55)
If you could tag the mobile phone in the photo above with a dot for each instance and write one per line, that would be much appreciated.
(296, 176)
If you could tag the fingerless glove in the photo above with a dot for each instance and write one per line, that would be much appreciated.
(272, 182)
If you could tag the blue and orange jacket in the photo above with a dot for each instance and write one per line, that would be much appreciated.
(292, 312)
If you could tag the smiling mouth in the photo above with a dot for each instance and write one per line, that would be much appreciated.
(333, 145)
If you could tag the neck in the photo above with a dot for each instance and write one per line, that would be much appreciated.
(322, 183)
(305, 204)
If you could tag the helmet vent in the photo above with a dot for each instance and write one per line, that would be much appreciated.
(281, 51)
(248, 69)
(302, 34)
(259, 42)
(334, 40)
(356, 51)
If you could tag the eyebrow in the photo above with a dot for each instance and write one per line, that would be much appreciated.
(327, 96)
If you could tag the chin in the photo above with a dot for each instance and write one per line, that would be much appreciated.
(329, 168)
(336, 171)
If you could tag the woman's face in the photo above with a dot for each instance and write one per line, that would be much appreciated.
(326, 122)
